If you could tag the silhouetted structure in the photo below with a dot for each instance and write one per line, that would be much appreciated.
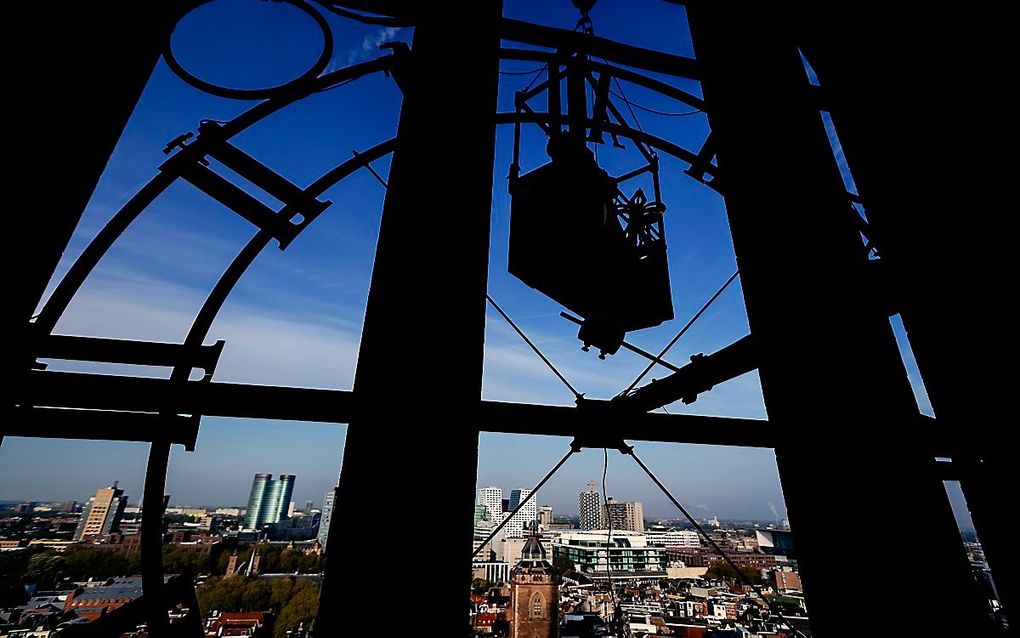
(842, 419)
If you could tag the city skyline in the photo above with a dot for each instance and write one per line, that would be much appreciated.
(564, 504)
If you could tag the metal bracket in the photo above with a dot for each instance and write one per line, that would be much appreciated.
(600, 427)
(144, 353)
(190, 164)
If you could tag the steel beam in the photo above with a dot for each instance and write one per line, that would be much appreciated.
(700, 375)
(146, 353)
(824, 344)
(106, 50)
(925, 221)
(101, 425)
(244, 401)
(549, 420)
(428, 287)
(625, 54)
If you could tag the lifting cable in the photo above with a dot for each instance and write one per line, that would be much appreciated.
(683, 330)
(531, 72)
(577, 395)
(651, 110)
(609, 534)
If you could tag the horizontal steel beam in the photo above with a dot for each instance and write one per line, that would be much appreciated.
(106, 392)
(625, 54)
(668, 90)
(101, 425)
(134, 394)
(147, 353)
(549, 420)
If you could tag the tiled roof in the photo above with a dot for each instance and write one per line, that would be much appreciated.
(121, 589)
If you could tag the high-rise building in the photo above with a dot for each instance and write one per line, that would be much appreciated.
(259, 488)
(481, 514)
(327, 514)
(590, 508)
(623, 516)
(280, 493)
(309, 506)
(102, 513)
(528, 513)
(492, 499)
(545, 516)
(268, 500)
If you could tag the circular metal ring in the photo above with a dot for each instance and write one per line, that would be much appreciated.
(264, 93)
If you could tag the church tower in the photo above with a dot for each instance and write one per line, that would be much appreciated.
(534, 594)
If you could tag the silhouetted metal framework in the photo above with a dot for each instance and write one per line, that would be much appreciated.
(841, 415)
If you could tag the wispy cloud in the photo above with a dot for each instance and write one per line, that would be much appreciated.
(371, 43)
(262, 346)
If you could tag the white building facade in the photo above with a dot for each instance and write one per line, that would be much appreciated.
(590, 508)
(492, 499)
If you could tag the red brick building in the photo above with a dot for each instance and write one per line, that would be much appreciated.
(698, 558)
(786, 581)
(93, 602)
(252, 623)
(534, 595)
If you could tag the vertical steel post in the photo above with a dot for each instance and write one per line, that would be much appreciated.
(926, 214)
(80, 69)
(428, 296)
(827, 349)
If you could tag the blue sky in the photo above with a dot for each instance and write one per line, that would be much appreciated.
(296, 317)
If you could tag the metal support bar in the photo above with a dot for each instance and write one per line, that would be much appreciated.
(703, 163)
(700, 375)
(549, 420)
(236, 400)
(636, 350)
(823, 345)
(438, 277)
(110, 392)
(146, 353)
(639, 137)
(240, 202)
(554, 104)
(258, 173)
(667, 90)
(577, 98)
(625, 54)
(601, 104)
(101, 425)
(632, 174)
